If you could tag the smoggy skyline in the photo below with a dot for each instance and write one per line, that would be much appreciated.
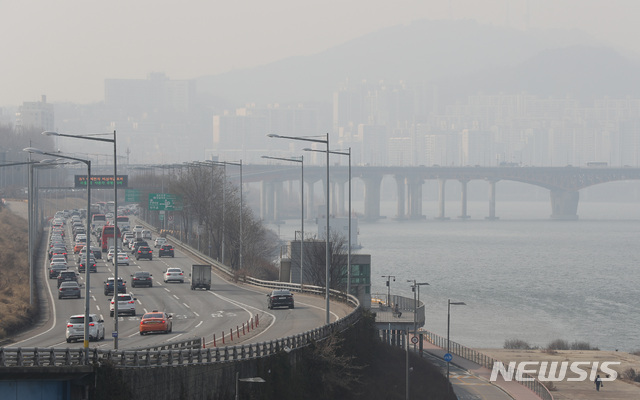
(66, 49)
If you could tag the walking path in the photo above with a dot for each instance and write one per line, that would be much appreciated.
(492, 390)
(583, 390)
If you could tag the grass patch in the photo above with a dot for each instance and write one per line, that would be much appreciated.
(15, 312)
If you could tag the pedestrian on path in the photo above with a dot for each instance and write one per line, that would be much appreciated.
(598, 383)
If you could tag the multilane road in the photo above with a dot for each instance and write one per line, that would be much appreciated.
(196, 313)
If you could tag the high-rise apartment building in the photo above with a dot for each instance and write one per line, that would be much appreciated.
(35, 115)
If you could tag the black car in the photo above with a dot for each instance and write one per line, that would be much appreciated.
(67, 276)
(144, 252)
(92, 264)
(280, 298)
(108, 286)
(137, 244)
(97, 252)
(166, 250)
(141, 278)
(57, 250)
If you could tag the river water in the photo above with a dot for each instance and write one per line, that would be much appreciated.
(523, 276)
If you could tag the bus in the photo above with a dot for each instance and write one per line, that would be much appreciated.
(97, 222)
(123, 223)
(107, 237)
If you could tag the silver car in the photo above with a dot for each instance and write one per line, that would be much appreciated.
(75, 328)
(174, 274)
(69, 289)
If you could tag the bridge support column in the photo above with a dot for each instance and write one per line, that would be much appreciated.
(309, 208)
(401, 187)
(441, 185)
(266, 201)
(277, 200)
(372, 198)
(415, 198)
(341, 191)
(463, 186)
(492, 201)
(564, 204)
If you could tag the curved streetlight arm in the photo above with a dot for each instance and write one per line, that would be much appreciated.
(330, 151)
(89, 136)
(285, 159)
(305, 138)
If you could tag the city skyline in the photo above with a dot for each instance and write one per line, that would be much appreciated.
(67, 50)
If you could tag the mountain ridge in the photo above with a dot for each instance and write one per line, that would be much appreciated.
(459, 57)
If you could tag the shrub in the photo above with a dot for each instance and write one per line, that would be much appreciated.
(576, 345)
(629, 374)
(558, 344)
(517, 344)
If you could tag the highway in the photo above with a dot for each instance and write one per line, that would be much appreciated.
(196, 313)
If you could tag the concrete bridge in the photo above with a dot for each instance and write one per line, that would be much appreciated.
(563, 183)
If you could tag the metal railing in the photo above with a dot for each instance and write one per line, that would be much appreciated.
(45, 357)
(188, 351)
(482, 359)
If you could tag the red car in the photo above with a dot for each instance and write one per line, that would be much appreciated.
(155, 321)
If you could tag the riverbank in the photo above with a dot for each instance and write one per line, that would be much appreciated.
(582, 390)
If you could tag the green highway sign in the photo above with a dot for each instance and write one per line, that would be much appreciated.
(132, 195)
(164, 201)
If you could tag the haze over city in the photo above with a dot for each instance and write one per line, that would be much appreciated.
(67, 49)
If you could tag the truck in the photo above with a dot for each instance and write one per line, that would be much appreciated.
(200, 276)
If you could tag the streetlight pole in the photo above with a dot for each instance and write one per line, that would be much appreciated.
(94, 136)
(415, 304)
(238, 164)
(389, 287)
(87, 247)
(327, 253)
(449, 304)
(349, 229)
(301, 161)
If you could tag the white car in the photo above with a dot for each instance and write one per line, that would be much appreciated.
(173, 274)
(75, 328)
(159, 242)
(123, 259)
(110, 253)
(126, 304)
(146, 234)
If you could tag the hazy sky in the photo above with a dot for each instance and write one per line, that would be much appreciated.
(66, 48)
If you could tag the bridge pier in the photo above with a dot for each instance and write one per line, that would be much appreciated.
(415, 198)
(492, 201)
(309, 207)
(441, 196)
(401, 187)
(266, 199)
(463, 185)
(564, 204)
(372, 197)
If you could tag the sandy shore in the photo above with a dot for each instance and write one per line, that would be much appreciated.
(571, 390)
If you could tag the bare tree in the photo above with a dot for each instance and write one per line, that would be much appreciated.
(315, 261)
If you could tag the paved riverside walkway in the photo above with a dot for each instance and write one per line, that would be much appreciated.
(583, 390)
(511, 389)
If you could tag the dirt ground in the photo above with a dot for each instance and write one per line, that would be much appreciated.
(617, 389)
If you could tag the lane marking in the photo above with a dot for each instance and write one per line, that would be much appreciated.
(199, 323)
(186, 305)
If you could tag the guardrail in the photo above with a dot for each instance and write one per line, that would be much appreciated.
(188, 351)
(482, 359)
(49, 357)
(294, 287)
